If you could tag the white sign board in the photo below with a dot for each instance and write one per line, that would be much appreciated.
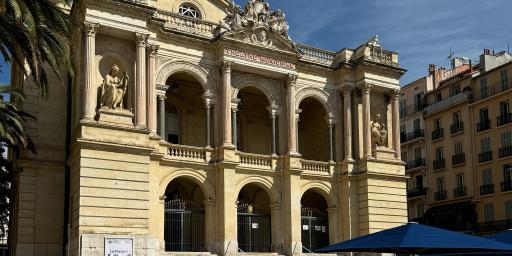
(118, 246)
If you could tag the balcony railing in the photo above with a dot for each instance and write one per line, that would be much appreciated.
(316, 55)
(459, 191)
(415, 192)
(491, 90)
(418, 133)
(440, 195)
(505, 151)
(457, 127)
(506, 186)
(186, 24)
(410, 109)
(255, 160)
(316, 167)
(493, 226)
(439, 164)
(483, 125)
(504, 119)
(487, 189)
(379, 54)
(437, 134)
(187, 153)
(455, 99)
(421, 162)
(458, 159)
(485, 157)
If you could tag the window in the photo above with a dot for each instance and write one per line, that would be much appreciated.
(485, 145)
(437, 124)
(403, 110)
(418, 103)
(416, 124)
(439, 97)
(404, 156)
(420, 210)
(508, 209)
(417, 153)
(458, 147)
(489, 212)
(504, 108)
(484, 114)
(504, 80)
(487, 176)
(456, 117)
(172, 125)
(454, 89)
(460, 180)
(483, 88)
(507, 173)
(189, 10)
(440, 185)
(506, 139)
(403, 128)
(439, 153)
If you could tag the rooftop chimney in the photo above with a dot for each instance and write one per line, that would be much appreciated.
(431, 69)
(487, 51)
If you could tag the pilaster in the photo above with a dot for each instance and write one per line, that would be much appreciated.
(89, 107)
(140, 84)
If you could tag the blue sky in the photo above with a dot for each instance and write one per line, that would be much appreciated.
(421, 31)
(5, 73)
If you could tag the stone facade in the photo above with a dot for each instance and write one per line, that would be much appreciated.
(234, 121)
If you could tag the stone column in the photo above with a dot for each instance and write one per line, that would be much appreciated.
(161, 102)
(296, 131)
(234, 122)
(292, 124)
(151, 108)
(330, 124)
(89, 94)
(367, 136)
(273, 111)
(394, 97)
(226, 103)
(347, 108)
(140, 84)
(208, 124)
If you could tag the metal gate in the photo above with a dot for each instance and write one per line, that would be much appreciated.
(184, 226)
(315, 228)
(253, 229)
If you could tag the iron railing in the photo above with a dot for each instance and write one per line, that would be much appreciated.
(437, 134)
(459, 191)
(505, 151)
(455, 99)
(410, 109)
(416, 163)
(483, 125)
(184, 226)
(415, 192)
(440, 195)
(459, 159)
(487, 189)
(485, 157)
(439, 164)
(418, 133)
(504, 119)
(315, 228)
(492, 90)
(506, 186)
(457, 127)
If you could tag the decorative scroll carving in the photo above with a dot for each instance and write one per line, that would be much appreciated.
(152, 50)
(259, 38)
(379, 132)
(365, 88)
(394, 94)
(227, 66)
(141, 39)
(292, 79)
(90, 28)
(113, 89)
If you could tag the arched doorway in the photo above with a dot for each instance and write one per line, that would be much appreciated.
(314, 221)
(254, 125)
(254, 221)
(185, 111)
(313, 131)
(184, 217)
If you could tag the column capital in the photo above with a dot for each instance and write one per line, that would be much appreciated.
(347, 90)
(234, 104)
(274, 110)
(292, 79)
(162, 97)
(297, 115)
(227, 66)
(394, 94)
(141, 39)
(90, 28)
(365, 87)
(208, 98)
(152, 50)
(331, 120)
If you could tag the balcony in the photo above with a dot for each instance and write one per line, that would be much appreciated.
(438, 134)
(411, 109)
(415, 192)
(455, 99)
(439, 164)
(418, 133)
(483, 125)
(487, 189)
(421, 162)
(317, 167)
(316, 55)
(485, 157)
(504, 119)
(177, 22)
(506, 186)
(458, 159)
(457, 127)
(459, 191)
(505, 151)
(492, 90)
(440, 195)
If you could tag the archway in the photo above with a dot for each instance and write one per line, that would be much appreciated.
(184, 217)
(254, 232)
(254, 127)
(313, 131)
(185, 111)
(314, 221)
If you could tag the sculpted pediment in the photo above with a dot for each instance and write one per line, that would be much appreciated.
(255, 24)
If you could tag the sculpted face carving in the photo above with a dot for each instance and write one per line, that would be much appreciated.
(113, 89)
(379, 132)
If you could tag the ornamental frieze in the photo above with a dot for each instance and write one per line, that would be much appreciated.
(258, 58)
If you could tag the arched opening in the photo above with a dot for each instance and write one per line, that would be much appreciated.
(254, 221)
(184, 217)
(313, 131)
(314, 221)
(254, 125)
(185, 111)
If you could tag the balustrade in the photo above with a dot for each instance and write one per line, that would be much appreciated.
(255, 160)
(316, 167)
(186, 24)
(188, 153)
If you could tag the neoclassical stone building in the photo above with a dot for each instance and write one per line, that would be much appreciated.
(200, 126)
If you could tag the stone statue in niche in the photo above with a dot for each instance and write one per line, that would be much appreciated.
(379, 132)
(113, 89)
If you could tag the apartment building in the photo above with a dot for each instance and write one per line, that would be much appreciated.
(468, 131)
